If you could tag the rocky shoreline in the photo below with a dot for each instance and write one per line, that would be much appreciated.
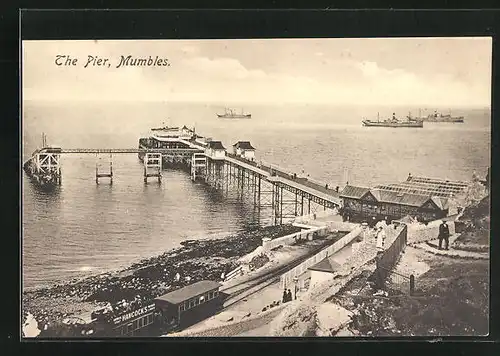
(195, 260)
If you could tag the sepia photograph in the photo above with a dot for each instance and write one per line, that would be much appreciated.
(315, 187)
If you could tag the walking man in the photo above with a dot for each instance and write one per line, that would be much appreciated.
(444, 234)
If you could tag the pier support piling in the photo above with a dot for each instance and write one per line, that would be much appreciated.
(152, 166)
(108, 174)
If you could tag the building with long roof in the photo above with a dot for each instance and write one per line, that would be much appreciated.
(426, 199)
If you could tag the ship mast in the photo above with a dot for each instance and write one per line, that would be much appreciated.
(378, 117)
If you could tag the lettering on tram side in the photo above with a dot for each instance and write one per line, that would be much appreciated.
(138, 312)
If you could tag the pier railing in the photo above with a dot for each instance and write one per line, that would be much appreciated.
(287, 278)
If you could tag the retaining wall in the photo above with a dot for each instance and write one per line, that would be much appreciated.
(291, 239)
(311, 217)
(423, 233)
(287, 278)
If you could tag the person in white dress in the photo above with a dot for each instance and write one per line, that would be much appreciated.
(380, 238)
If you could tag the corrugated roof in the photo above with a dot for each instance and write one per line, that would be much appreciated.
(216, 145)
(188, 292)
(244, 145)
(426, 186)
(437, 181)
(420, 189)
(326, 265)
(351, 191)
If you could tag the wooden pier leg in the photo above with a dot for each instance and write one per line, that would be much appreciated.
(309, 206)
(302, 205)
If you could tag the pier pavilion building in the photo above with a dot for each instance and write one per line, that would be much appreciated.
(244, 150)
(216, 150)
(361, 203)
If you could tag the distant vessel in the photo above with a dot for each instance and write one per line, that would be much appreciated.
(439, 117)
(394, 122)
(232, 114)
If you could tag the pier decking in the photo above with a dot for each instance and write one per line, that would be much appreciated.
(211, 162)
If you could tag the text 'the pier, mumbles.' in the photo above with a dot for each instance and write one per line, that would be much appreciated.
(123, 61)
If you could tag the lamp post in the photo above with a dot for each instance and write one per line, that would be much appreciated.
(295, 281)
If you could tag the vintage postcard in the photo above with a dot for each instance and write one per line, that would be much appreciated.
(256, 187)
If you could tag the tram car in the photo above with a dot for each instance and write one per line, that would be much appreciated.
(171, 312)
(188, 305)
(125, 319)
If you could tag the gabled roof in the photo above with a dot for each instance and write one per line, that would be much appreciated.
(244, 145)
(188, 292)
(325, 265)
(442, 203)
(351, 191)
(407, 220)
(387, 196)
(216, 145)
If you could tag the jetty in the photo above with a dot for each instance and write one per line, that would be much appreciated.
(266, 184)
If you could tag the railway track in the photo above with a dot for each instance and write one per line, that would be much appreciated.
(255, 284)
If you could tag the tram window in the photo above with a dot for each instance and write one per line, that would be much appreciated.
(210, 295)
(216, 293)
(191, 304)
(181, 307)
(130, 327)
(195, 301)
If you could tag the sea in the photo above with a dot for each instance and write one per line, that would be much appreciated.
(84, 228)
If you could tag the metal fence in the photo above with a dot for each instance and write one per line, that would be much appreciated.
(388, 259)
(404, 283)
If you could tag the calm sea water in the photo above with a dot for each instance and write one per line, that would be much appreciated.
(85, 228)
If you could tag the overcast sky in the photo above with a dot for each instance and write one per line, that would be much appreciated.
(412, 71)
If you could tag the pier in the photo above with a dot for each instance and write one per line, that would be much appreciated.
(266, 185)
